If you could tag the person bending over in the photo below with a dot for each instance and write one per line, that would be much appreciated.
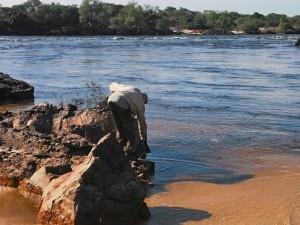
(127, 104)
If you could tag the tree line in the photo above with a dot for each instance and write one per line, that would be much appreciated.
(94, 17)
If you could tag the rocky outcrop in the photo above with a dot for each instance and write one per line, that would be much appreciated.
(53, 156)
(47, 136)
(12, 90)
(103, 189)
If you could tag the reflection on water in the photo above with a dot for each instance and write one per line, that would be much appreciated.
(15, 209)
(16, 107)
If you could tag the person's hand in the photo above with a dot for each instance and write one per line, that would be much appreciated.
(147, 149)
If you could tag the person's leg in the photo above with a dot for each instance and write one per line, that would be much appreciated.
(127, 132)
(116, 113)
(128, 128)
(124, 123)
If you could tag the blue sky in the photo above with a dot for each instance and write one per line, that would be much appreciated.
(287, 7)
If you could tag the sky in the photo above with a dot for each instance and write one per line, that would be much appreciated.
(287, 7)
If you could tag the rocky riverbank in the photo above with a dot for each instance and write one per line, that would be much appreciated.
(68, 161)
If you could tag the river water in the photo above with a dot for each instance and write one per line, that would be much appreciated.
(209, 96)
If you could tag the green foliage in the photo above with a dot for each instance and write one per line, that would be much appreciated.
(163, 22)
(295, 22)
(32, 5)
(273, 20)
(211, 19)
(199, 21)
(225, 22)
(130, 20)
(96, 17)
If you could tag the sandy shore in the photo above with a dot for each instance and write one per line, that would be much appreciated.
(268, 194)
(271, 196)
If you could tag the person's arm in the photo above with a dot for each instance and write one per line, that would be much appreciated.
(142, 125)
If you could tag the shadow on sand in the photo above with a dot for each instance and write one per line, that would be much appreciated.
(228, 178)
(174, 216)
(165, 215)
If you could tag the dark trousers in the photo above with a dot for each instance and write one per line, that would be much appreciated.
(125, 126)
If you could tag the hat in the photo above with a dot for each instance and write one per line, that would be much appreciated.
(145, 97)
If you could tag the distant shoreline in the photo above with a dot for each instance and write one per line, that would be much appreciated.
(184, 32)
(100, 18)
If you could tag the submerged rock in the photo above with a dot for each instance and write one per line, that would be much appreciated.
(12, 90)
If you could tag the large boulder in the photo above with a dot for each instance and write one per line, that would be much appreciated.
(102, 190)
(297, 42)
(48, 136)
(51, 154)
(12, 90)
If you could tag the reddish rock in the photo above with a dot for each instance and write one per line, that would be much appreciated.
(51, 153)
(104, 189)
(34, 187)
(47, 136)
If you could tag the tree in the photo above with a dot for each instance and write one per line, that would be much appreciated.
(150, 15)
(69, 16)
(199, 21)
(53, 17)
(250, 25)
(129, 20)
(19, 21)
(163, 23)
(3, 20)
(273, 20)
(87, 12)
(179, 19)
(225, 22)
(211, 19)
(285, 25)
(257, 15)
(295, 22)
(3, 14)
(96, 15)
(32, 5)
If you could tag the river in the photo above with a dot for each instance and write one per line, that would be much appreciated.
(211, 98)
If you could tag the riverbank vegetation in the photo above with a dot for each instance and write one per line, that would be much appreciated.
(94, 17)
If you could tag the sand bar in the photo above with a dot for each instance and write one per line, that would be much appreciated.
(270, 197)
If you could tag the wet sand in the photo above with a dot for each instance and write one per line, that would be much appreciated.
(268, 194)
(270, 197)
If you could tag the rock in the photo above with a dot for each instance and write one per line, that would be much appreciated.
(12, 90)
(34, 187)
(91, 124)
(58, 162)
(297, 42)
(40, 118)
(103, 189)
(47, 136)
